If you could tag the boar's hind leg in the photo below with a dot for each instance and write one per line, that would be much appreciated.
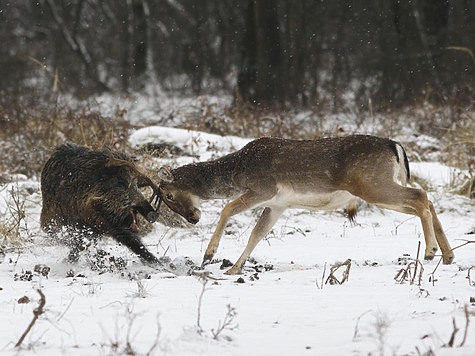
(132, 241)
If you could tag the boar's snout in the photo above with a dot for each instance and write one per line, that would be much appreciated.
(152, 216)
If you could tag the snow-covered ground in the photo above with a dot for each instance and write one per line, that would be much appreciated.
(279, 306)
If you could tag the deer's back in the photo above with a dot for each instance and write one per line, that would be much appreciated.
(316, 165)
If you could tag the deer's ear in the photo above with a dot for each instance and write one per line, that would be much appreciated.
(165, 174)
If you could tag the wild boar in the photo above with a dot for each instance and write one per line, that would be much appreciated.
(93, 193)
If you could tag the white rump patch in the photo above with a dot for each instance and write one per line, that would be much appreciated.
(400, 172)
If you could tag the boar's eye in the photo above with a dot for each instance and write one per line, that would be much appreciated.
(169, 196)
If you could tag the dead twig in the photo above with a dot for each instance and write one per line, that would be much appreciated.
(467, 322)
(205, 275)
(231, 313)
(467, 242)
(203, 278)
(323, 277)
(65, 310)
(415, 267)
(406, 274)
(432, 274)
(357, 331)
(396, 227)
(409, 273)
(346, 273)
(461, 49)
(227, 322)
(470, 283)
(36, 314)
(455, 330)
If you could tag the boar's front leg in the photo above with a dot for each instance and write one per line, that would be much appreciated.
(77, 238)
(132, 241)
(79, 242)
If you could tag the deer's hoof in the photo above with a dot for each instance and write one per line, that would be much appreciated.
(206, 260)
(428, 257)
(448, 259)
(233, 271)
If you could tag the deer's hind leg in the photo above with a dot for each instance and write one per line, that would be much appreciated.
(447, 252)
(248, 200)
(415, 202)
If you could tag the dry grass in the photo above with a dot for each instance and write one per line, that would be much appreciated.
(460, 145)
(33, 125)
(13, 223)
(31, 129)
(459, 151)
(247, 121)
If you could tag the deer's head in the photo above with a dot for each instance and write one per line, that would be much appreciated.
(178, 197)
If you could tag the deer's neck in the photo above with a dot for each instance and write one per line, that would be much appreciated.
(209, 180)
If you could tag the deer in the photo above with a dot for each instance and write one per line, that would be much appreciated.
(322, 174)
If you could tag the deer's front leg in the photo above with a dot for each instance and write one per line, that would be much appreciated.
(262, 228)
(245, 202)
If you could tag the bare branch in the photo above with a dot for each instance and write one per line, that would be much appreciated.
(76, 44)
(467, 322)
(227, 322)
(462, 49)
(356, 332)
(204, 281)
(470, 283)
(36, 314)
(323, 277)
(432, 274)
(455, 330)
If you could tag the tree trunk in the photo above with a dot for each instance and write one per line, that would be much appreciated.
(260, 74)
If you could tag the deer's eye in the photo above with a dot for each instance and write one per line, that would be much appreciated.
(169, 196)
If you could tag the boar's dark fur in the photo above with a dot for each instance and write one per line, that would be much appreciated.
(86, 193)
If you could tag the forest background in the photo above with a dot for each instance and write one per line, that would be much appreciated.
(411, 62)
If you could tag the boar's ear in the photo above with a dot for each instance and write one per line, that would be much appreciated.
(116, 162)
(165, 174)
